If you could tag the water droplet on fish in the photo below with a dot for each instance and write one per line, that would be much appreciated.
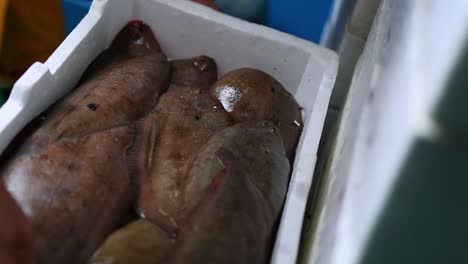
(163, 212)
(229, 96)
(140, 41)
(296, 123)
(142, 215)
(201, 65)
(173, 221)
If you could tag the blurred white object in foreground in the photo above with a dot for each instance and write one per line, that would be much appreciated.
(397, 186)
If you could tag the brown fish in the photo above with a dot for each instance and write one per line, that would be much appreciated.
(250, 95)
(73, 191)
(140, 242)
(70, 176)
(201, 71)
(239, 183)
(122, 85)
(16, 235)
(167, 140)
(234, 193)
(170, 137)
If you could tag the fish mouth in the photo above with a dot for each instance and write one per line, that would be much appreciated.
(136, 34)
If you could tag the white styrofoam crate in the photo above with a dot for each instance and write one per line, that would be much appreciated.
(338, 236)
(353, 17)
(408, 60)
(346, 33)
(185, 29)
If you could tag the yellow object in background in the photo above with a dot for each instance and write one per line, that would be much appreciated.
(3, 9)
(30, 31)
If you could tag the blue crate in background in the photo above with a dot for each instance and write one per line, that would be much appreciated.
(74, 11)
(303, 18)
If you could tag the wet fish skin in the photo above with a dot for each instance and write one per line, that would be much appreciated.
(237, 199)
(184, 119)
(252, 95)
(200, 71)
(234, 194)
(166, 142)
(139, 242)
(73, 191)
(70, 175)
(124, 87)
